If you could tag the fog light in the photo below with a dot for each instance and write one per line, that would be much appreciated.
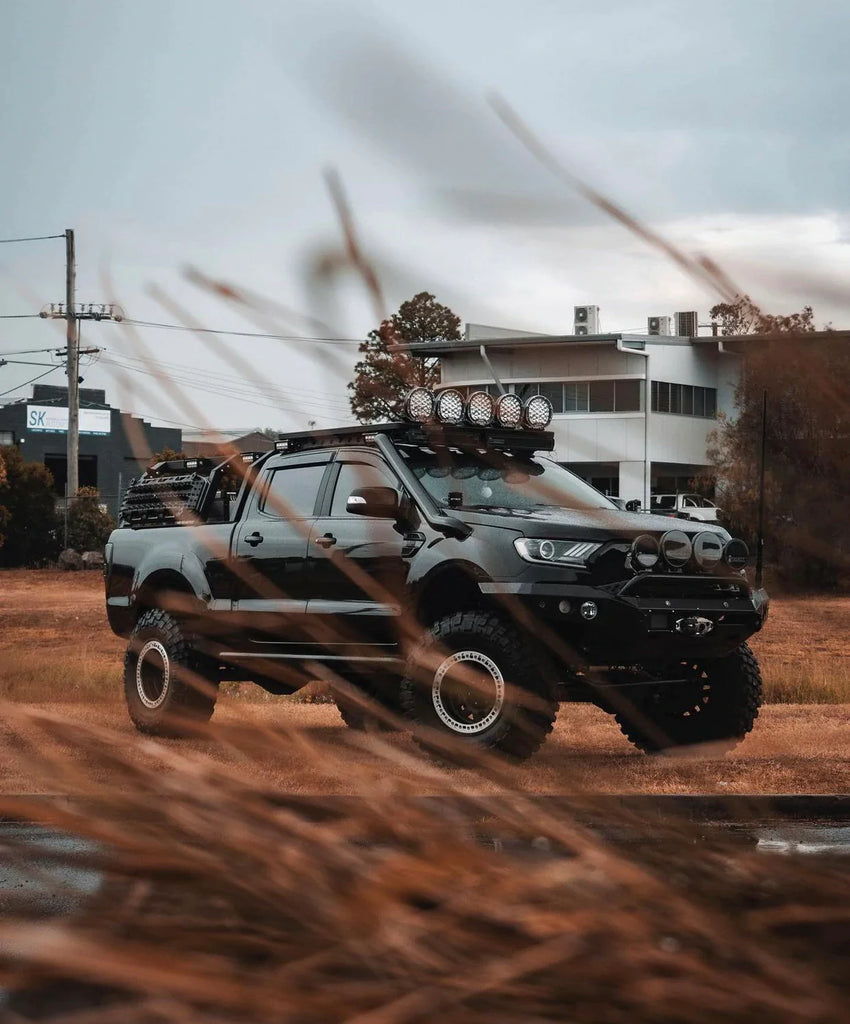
(564, 607)
(736, 554)
(708, 549)
(645, 551)
(677, 548)
(589, 610)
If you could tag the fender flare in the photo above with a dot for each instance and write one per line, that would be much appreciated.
(187, 566)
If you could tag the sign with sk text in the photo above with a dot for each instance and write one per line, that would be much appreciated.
(54, 420)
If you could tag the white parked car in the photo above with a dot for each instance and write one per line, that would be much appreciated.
(691, 505)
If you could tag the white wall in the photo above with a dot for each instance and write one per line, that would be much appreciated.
(614, 437)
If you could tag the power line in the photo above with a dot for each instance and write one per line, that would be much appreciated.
(32, 351)
(31, 238)
(245, 334)
(212, 377)
(224, 392)
(32, 381)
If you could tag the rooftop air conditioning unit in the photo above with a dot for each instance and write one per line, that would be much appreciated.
(585, 320)
(686, 324)
(659, 325)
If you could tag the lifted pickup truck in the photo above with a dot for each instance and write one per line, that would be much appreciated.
(443, 567)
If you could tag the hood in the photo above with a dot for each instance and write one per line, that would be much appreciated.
(590, 524)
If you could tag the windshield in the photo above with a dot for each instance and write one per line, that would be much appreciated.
(498, 480)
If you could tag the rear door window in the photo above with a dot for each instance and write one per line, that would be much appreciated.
(292, 491)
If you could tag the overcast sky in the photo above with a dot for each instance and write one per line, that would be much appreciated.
(197, 133)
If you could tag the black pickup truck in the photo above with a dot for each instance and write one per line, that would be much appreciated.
(441, 566)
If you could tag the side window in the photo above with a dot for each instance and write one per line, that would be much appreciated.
(358, 474)
(292, 491)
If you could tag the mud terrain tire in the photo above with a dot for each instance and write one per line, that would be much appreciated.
(509, 708)
(726, 705)
(168, 686)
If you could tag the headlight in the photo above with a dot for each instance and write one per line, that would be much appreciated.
(555, 552)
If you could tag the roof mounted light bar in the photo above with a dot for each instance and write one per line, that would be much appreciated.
(479, 410)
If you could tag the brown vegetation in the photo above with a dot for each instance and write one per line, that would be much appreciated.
(56, 648)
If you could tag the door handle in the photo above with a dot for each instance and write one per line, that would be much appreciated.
(327, 541)
(254, 539)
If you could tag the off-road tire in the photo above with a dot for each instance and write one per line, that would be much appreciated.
(173, 689)
(383, 690)
(526, 715)
(722, 716)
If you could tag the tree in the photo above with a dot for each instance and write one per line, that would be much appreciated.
(28, 511)
(807, 380)
(89, 526)
(383, 375)
(166, 455)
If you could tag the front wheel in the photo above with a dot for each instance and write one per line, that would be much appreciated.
(168, 686)
(472, 678)
(715, 701)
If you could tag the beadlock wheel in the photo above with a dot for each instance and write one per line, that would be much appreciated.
(464, 704)
(153, 674)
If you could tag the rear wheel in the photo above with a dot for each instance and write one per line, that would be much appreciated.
(169, 687)
(714, 701)
(473, 679)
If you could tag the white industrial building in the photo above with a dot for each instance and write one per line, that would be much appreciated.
(605, 430)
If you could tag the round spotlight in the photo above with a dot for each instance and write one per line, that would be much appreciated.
(677, 548)
(480, 409)
(538, 412)
(589, 610)
(509, 411)
(419, 405)
(708, 549)
(736, 554)
(450, 407)
(645, 551)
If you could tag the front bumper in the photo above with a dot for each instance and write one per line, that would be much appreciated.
(646, 620)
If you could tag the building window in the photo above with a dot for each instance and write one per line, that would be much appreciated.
(684, 399)
(555, 394)
(575, 396)
(7, 437)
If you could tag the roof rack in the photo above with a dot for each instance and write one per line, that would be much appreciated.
(430, 434)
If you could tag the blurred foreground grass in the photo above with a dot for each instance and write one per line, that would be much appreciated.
(40, 676)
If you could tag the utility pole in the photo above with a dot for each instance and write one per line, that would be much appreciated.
(73, 364)
(72, 314)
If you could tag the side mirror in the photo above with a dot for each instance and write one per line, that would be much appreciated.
(633, 505)
(375, 502)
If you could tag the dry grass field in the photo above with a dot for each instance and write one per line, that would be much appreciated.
(56, 649)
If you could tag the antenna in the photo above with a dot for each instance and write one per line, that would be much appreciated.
(760, 541)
